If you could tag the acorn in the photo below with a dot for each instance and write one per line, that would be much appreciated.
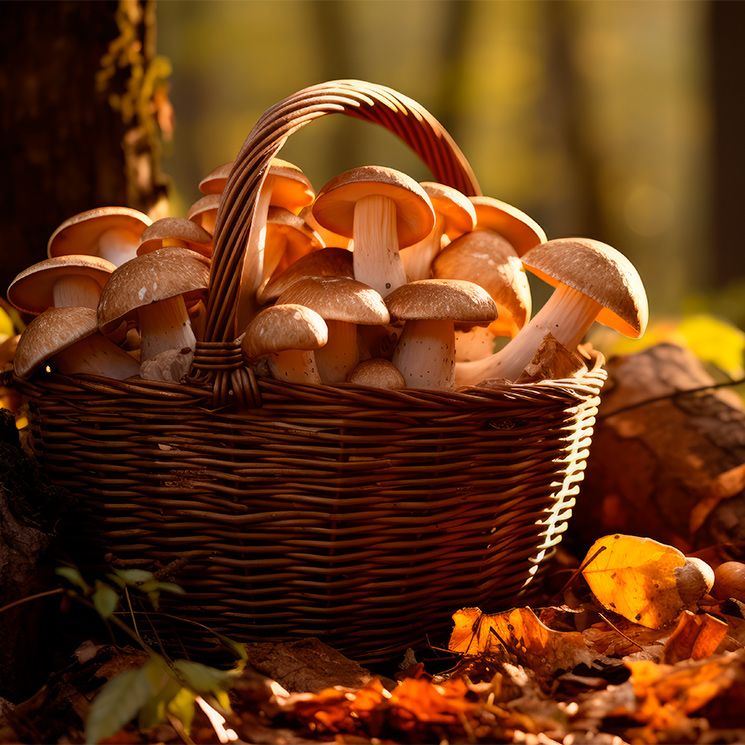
(729, 581)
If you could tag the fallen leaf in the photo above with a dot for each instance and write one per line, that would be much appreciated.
(695, 637)
(519, 632)
(641, 579)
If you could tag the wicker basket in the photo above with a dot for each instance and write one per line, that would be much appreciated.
(362, 516)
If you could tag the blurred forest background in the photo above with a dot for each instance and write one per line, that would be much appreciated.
(622, 121)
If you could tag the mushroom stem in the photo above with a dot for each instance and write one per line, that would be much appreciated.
(252, 270)
(417, 259)
(96, 355)
(377, 262)
(566, 316)
(340, 355)
(295, 366)
(164, 326)
(425, 354)
(76, 292)
(118, 245)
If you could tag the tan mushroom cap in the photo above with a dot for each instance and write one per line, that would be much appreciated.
(330, 238)
(155, 276)
(290, 187)
(442, 300)
(377, 373)
(284, 327)
(175, 229)
(338, 299)
(522, 231)
(214, 182)
(456, 209)
(51, 332)
(327, 262)
(488, 259)
(334, 205)
(80, 234)
(598, 271)
(301, 238)
(32, 290)
(203, 206)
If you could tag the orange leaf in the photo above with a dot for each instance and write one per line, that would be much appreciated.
(695, 637)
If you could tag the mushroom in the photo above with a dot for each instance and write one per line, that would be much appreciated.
(204, 212)
(343, 303)
(327, 262)
(488, 259)
(454, 215)
(328, 237)
(69, 337)
(214, 182)
(113, 233)
(284, 186)
(63, 281)
(431, 307)
(377, 373)
(287, 334)
(288, 238)
(593, 282)
(382, 210)
(175, 232)
(155, 288)
(522, 231)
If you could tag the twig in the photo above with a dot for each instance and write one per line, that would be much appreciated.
(581, 568)
(46, 593)
(180, 729)
(670, 396)
(618, 631)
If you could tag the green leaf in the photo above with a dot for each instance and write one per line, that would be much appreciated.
(117, 703)
(154, 711)
(203, 679)
(105, 599)
(133, 577)
(72, 575)
(181, 706)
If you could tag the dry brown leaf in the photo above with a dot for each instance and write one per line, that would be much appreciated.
(724, 486)
(695, 637)
(641, 579)
(519, 632)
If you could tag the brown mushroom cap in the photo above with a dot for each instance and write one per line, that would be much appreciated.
(334, 205)
(186, 232)
(290, 187)
(214, 182)
(283, 327)
(456, 209)
(301, 238)
(327, 262)
(32, 290)
(156, 276)
(598, 271)
(53, 331)
(203, 206)
(522, 231)
(80, 233)
(442, 300)
(377, 373)
(338, 299)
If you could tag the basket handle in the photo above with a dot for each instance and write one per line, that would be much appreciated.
(367, 101)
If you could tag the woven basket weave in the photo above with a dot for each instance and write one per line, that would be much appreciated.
(362, 516)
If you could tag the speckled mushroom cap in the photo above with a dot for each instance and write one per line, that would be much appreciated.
(156, 276)
(377, 373)
(338, 299)
(488, 259)
(214, 182)
(522, 231)
(442, 300)
(186, 232)
(290, 187)
(32, 290)
(283, 327)
(334, 205)
(327, 262)
(203, 206)
(51, 332)
(598, 271)
(80, 234)
(456, 209)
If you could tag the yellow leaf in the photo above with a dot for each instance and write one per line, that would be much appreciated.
(520, 632)
(644, 581)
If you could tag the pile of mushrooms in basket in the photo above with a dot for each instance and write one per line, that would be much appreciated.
(375, 280)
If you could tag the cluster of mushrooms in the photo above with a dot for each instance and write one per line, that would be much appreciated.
(375, 280)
